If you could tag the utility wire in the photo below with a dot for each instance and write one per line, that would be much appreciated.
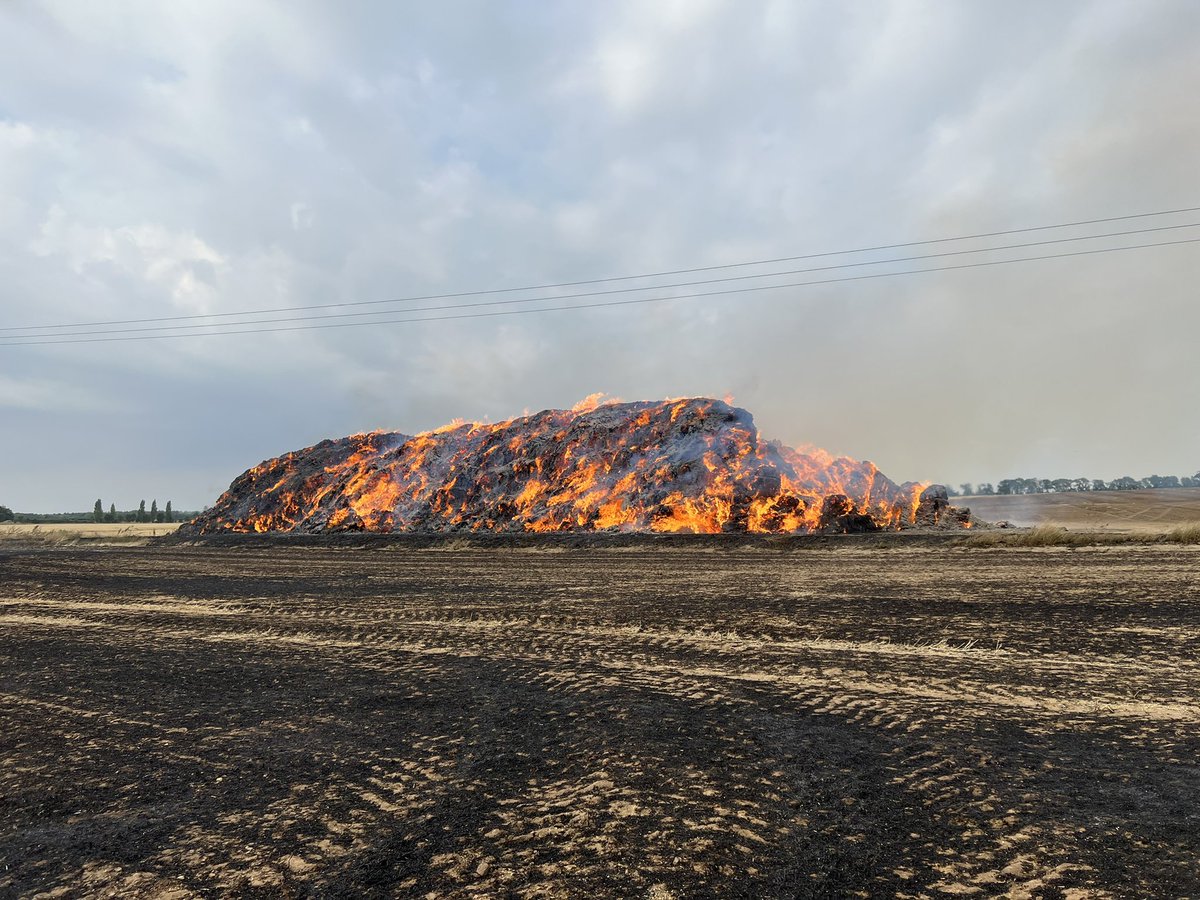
(626, 290)
(610, 303)
(612, 278)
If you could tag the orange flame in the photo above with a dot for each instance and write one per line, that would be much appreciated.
(685, 465)
(592, 401)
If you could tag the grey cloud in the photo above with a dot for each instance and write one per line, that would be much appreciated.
(159, 159)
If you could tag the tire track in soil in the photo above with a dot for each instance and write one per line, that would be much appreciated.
(561, 750)
(942, 793)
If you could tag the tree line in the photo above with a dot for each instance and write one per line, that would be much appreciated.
(1068, 485)
(141, 514)
(99, 514)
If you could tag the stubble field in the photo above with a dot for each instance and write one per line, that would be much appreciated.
(697, 718)
(1146, 512)
(99, 532)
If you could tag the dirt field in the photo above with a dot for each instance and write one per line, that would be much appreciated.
(1133, 512)
(846, 718)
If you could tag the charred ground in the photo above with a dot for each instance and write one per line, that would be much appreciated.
(726, 718)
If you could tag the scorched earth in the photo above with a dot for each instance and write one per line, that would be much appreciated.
(670, 717)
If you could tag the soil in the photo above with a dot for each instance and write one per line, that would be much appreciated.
(737, 718)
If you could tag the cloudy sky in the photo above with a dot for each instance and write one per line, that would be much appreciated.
(182, 159)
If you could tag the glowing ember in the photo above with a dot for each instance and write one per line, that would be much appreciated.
(689, 465)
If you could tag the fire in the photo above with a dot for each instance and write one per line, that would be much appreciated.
(683, 465)
(592, 401)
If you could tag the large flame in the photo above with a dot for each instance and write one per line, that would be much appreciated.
(687, 465)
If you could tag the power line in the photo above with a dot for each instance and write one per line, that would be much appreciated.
(627, 290)
(611, 303)
(612, 278)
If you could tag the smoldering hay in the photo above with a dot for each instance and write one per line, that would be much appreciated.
(688, 465)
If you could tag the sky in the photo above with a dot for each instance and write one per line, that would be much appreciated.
(184, 159)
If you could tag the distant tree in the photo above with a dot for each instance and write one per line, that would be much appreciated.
(98, 512)
(154, 510)
(6, 514)
(1164, 481)
(167, 514)
(1060, 485)
(141, 513)
(112, 513)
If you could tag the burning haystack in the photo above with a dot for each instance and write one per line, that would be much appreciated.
(693, 465)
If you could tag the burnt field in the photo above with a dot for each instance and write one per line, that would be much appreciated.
(656, 719)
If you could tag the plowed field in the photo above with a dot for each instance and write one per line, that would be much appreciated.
(759, 720)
